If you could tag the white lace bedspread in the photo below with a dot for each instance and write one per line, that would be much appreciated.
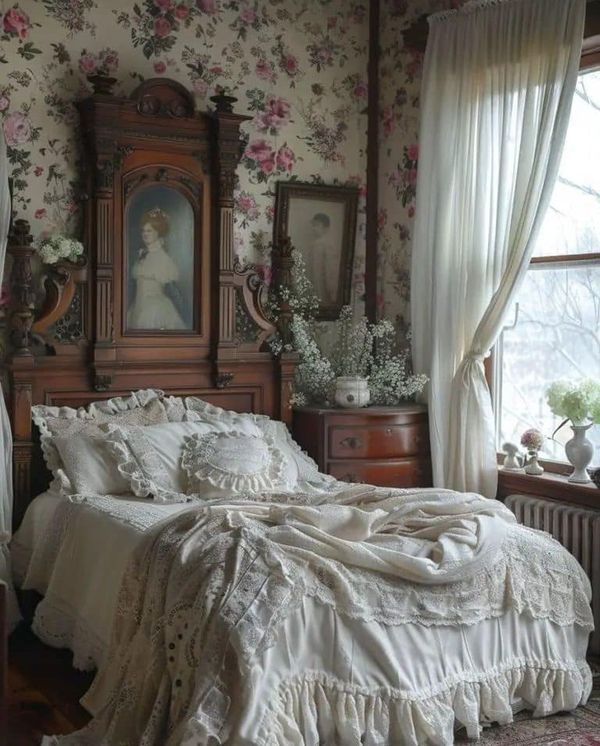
(210, 590)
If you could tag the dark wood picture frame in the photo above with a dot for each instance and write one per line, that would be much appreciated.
(337, 217)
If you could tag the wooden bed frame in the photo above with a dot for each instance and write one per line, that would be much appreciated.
(73, 346)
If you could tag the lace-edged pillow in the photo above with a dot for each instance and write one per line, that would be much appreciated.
(233, 463)
(149, 458)
(142, 407)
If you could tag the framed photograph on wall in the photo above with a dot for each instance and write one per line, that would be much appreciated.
(320, 221)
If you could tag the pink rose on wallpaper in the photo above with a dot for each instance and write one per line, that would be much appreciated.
(290, 64)
(270, 213)
(248, 15)
(259, 150)
(200, 87)
(264, 70)
(216, 70)
(332, 21)
(4, 103)
(411, 212)
(38, 170)
(164, 4)
(40, 213)
(285, 158)
(182, 12)
(413, 152)
(17, 128)
(275, 116)
(207, 6)
(162, 27)
(246, 204)
(88, 63)
(361, 89)
(159, 67)
(16, 21)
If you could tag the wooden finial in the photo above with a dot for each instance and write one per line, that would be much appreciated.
(223, 103)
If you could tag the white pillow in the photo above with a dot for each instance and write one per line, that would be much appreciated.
(142, 407)
(90, 466)
(233, 463)
(149, 458)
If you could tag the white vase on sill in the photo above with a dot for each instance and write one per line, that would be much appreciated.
(580, 452)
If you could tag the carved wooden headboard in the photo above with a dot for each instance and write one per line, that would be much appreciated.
(158, 300)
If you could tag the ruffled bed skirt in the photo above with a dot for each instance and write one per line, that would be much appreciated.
(316, 710)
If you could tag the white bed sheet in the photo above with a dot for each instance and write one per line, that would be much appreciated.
(80, 574)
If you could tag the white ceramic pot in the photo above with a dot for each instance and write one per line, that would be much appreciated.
(580, 452)
(352, 391)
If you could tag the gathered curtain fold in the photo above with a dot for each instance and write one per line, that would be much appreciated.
(6, 491)
(498, 83)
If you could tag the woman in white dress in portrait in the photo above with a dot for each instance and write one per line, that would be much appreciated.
(153, 272)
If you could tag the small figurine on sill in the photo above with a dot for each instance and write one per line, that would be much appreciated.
(533, 440)
(512, 458)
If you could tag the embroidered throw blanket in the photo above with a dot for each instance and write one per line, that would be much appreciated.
(207, 589)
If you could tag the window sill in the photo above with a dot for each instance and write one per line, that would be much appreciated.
(550, 486)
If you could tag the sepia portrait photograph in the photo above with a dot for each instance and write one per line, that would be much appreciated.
(159, 252)
(321, 223)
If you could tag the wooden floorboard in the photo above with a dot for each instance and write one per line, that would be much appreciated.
(43, 691)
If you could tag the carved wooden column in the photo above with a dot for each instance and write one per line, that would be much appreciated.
(227, 151)
(21, 361)
(20, 247)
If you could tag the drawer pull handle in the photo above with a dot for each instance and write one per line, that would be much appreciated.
(352, 478)
(351, 442)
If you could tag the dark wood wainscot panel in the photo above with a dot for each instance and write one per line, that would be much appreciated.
(159, 300)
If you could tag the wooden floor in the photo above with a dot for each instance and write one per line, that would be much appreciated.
(43, 691)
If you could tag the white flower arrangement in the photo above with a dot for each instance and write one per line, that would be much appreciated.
(578, 402)
(360, 349)
(59, 248)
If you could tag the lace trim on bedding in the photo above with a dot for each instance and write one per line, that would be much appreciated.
(229, 590)
(60, 626)
(138, 462)
(96, 411)
(233, 461)
(314, 707)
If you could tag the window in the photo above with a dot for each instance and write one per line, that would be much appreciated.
(553, 331)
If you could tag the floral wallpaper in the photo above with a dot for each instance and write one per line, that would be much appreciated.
(298, 67)
(400, 82)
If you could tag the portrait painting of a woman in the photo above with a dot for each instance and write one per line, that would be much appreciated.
(159, 280)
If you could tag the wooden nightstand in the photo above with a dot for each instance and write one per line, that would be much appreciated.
(387, 446)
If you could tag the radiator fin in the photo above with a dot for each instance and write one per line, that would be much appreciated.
(577, 529)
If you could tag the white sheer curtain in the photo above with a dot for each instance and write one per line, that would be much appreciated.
(6, 493)
(498, 82)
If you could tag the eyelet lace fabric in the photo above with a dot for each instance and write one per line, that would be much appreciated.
(206, 592)
(232, 461)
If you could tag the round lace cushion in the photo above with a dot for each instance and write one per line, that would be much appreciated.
(221, 464)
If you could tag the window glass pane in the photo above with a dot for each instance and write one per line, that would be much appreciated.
(557, 336)
(572, 223)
